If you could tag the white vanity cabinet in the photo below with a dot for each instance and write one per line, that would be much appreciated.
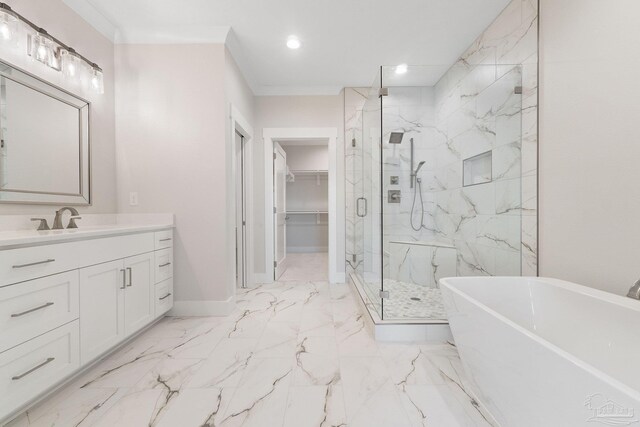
(64, 305)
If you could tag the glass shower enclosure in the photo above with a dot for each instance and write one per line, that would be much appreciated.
(437, 181)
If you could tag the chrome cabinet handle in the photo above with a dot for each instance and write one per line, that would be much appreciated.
(165, 240)
(165, 264)
(46, 261)
(130, 277)
(32, 310)
(35, 368)
(366, 207)
(164, 297)
(124, 278)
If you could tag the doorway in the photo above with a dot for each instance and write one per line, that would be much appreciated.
(301, 192)
(241, 215)
(240, 192)
(281, 245)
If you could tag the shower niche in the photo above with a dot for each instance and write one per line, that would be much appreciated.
(477, 169)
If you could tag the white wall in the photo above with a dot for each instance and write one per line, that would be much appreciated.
(59, 20)
(310, 157)
(171, 150)
(589, 149)
(296, 112)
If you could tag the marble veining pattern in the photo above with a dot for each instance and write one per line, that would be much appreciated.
(292, 354)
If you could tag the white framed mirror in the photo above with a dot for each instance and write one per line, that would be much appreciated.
(45, 142)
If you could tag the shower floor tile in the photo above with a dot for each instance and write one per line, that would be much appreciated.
(410, 301)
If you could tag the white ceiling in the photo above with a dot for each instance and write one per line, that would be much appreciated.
(343, 41)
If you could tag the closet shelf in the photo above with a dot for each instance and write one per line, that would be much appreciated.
(309, 172)
(306, 212)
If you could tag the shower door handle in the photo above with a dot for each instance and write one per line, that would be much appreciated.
(366, 207)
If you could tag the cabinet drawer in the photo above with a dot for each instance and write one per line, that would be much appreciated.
(32, 308)
(31, 368)
(19, 265)
(164, 297)
(163, 264)
(164, 239)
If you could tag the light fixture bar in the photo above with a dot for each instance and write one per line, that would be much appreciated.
(6, 8)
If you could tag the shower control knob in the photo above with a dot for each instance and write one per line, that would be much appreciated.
(394, 196)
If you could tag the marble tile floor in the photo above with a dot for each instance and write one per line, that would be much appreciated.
(292, 354)
(307, 266)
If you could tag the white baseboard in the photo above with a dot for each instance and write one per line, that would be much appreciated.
(262, 278)
(203, 308)
(306, 249)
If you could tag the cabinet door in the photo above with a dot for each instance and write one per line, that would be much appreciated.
(139, 302)
(101, 308)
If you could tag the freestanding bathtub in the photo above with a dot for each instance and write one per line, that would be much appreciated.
(545, 352)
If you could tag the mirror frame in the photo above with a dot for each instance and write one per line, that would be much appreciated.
(83, 197)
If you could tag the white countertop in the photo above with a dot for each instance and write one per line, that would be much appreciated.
(115, 225)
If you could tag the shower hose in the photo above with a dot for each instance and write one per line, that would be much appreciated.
(417, 189)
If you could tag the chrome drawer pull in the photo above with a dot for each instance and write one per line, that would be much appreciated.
(165, 264)
(34, 263)
(35, 368)
(124, 278)
(32, 310)
(165, 297)
(129, 269)
(165, 240)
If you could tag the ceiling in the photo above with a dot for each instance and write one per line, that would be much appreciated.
(343, 41)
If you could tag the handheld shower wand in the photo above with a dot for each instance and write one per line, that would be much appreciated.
(414, 174)
(417, 190)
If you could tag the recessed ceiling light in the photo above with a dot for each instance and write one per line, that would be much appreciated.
(293, 42)
(402, 69)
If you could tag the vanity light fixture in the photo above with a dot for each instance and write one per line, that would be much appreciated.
(97, 79)
(8, 23)
(47, 49)
(41, 46)
(402, 69)
(293, 42)
(70, 62)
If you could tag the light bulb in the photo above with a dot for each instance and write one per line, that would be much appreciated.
(43, 48)
(70, 62)
(5, 31)
(293, 42)
(42, 53)
(402, 69)
(97, 79)
(8, 23)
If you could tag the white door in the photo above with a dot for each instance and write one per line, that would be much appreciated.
(101, 308)
(280, 209)
(139, 302)
(241, 222)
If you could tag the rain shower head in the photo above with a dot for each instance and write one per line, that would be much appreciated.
(396, 137)
(418, 168)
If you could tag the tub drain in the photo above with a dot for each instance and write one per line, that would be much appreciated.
(416, 299)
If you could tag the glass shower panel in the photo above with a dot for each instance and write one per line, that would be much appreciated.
(451, 181)
(368, 207)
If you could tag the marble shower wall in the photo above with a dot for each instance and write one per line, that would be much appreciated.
(477, 111)
(473, 108)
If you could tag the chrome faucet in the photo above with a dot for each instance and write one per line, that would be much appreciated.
(634, 292)
(57, 222)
